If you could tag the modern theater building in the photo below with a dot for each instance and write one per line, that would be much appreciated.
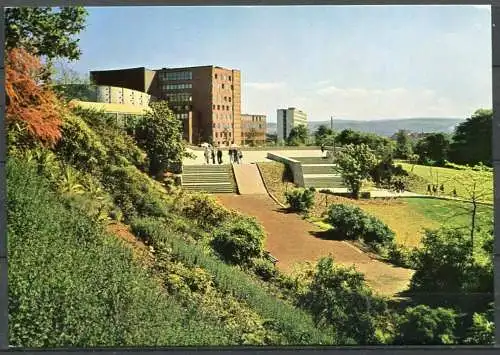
(206, 98)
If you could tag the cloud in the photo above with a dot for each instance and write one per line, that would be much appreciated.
(385, 103)
(265, 86)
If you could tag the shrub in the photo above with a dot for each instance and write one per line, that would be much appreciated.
(482, 330)
(204, 210)
(354, 224)
(347, 220)
(265, 269)
(376, 233)
(300, 200)
(422, 325)
(135, 193)
(239, 240)
(339, 296)
(444, 263)
(80, 145)
(400, 255)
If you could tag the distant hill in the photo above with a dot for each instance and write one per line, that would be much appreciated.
(387, 127)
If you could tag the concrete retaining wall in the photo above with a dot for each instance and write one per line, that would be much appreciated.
(295, 167)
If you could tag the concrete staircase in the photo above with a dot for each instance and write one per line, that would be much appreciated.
(320, 173)
(213, 179)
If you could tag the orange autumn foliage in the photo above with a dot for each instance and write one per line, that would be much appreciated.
(30, 102)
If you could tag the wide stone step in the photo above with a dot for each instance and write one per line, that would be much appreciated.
(319, 169)
(206, 178)
(324, 182)
(313, 160)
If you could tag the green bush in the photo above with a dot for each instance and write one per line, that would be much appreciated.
(135, 193)
(347, 220)
(400, 255)
(265, 269)
(300, 200)
(239, 240)
(72, 285)
(482, 330)
(353, 223)
(80, 145)
(340, 297)
(422, 325)
(203, 209)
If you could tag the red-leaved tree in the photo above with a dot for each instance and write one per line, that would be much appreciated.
(31, 106)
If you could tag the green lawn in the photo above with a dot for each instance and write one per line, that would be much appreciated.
(451, 213)
(450, 179)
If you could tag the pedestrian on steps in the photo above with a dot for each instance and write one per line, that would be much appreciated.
(207, 157)
(219, 155)
(213, 155)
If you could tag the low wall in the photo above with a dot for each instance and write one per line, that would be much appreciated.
(295, 167)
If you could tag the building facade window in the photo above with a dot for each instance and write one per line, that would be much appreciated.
(166, 87)
(222, 85)
(218, 107)
(179, 75)
(215, 76)
(229, 77)
(181, 97)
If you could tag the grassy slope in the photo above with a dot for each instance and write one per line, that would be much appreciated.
(446, 176)
(71, 284)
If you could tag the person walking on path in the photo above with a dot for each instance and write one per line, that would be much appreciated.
(240, 156)
(207, 157)
(219, 155)
(323, 151)
(231, 157)
(429, 189)
(212, 151)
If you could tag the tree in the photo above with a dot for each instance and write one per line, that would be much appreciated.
(476, 186)
(160, 135)
(422, 325)
(339, 296)
(403, 145)
(355, 163)
(382, 146)
(472, 140)
(45, 31)
(433, 148)
(443, 263)
(322, 135)
(298, 135)
(33, 110)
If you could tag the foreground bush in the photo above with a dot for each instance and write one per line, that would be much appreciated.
(135, 193)
(203, 210)
(422, 325)
(300, 200)
(353, 223)
(340, 297)
(239, 240)
(445, 263)
(70, 284)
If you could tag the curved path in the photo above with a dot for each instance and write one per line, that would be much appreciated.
(291, 240)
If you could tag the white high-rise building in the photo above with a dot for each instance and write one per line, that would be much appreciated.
(289, 118)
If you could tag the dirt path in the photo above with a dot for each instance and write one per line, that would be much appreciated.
(292, 239)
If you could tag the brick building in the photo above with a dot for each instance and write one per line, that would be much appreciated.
(206, 98)
(253, 129)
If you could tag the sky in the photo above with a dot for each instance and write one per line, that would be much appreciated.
(349, 62)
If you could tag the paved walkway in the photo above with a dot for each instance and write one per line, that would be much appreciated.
(253, 156)
(248, 179)
(292, 240)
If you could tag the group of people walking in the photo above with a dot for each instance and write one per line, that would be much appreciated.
(433, 190)
(235, 155)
